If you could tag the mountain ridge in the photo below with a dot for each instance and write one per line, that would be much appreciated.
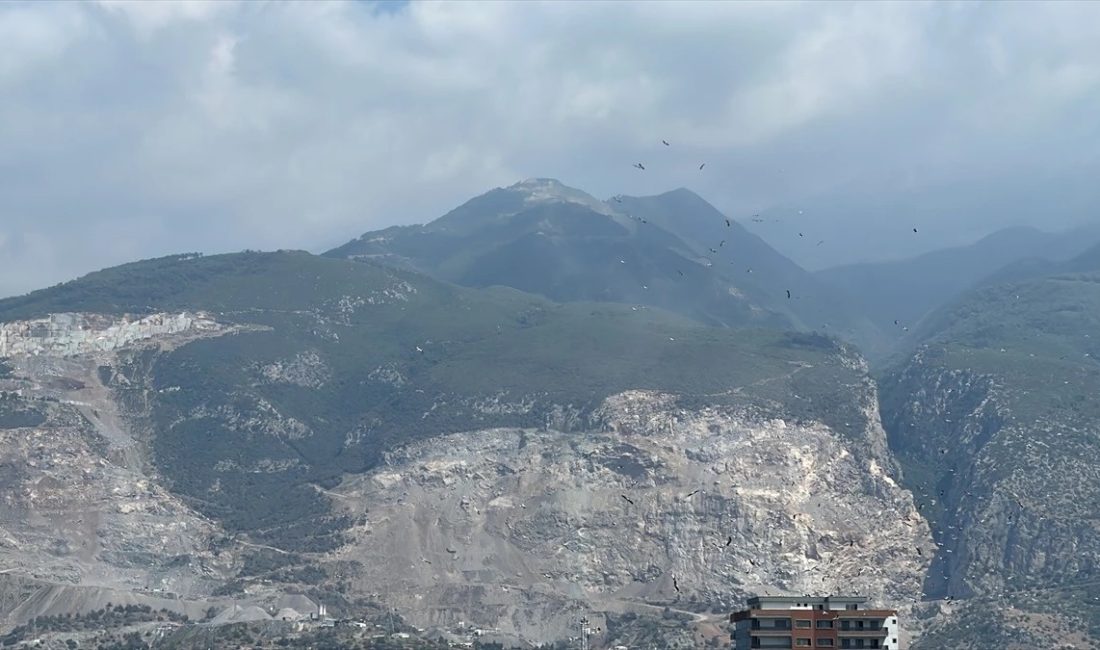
(672, 250)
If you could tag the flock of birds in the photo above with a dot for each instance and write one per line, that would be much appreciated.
(928, 498)
(756, 218)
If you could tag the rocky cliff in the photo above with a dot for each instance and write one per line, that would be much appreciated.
(994, 420)
(663, 505)
(74, 334)
(80, 503)
(648, 502)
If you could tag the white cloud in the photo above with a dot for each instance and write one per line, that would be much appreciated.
(219, 126)
(148, 18)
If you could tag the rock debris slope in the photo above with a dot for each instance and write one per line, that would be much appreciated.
(525, 530)
(80, 504)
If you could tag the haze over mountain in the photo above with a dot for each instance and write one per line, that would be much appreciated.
(198, 128)
(673, 250)
(896, 295)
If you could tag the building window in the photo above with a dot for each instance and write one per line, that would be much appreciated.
(824, 643)
(824, 624)
(802, 643)
(852, 606)
(801, 622)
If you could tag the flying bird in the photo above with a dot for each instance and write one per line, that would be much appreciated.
(688, 496)
(713, 250)
(729, 540)
(721, 243)
(640, 166)
(628, 500)
(702, 166)
(675, 584)
(665, 142)
(821, 242)
(788, 294)
(680, 272)
(728, 224)
(914, 230)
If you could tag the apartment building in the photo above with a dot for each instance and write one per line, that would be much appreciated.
(831, 622)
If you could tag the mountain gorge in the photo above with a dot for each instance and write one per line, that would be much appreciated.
(993, 420)
(897, 295)
(543, 406)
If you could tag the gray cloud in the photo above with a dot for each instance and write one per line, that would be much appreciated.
(131, 130)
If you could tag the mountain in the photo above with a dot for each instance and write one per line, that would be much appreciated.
(210, 436)
(994, 421)
(905, 291)
(674, 251)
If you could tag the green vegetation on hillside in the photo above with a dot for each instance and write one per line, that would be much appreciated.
(390, 357)
(674, 251)
(995, 421)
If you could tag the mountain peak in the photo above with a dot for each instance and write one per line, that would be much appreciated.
(551, 190)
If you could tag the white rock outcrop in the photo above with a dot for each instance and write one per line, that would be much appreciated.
(71, 334)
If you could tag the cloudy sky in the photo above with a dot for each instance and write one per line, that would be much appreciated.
(135, 130)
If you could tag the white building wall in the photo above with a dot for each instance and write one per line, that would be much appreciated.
(893, 633)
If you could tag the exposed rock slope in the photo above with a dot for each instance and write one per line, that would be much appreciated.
(80, 504)
(995, 421)
(662, 506)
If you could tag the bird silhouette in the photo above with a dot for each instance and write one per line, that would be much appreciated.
(702, 166)
(628, 500)
(640, 166)
(665, 142)
(788, 294)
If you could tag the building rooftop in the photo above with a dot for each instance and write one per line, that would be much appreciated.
(761, 602)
